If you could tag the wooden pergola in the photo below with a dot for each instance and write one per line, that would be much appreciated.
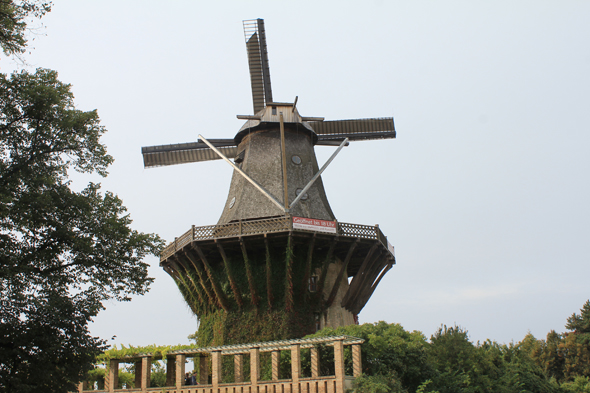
(212, 356)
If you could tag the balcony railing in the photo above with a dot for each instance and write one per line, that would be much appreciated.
(264, 226)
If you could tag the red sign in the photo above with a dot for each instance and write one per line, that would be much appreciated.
(312, 224)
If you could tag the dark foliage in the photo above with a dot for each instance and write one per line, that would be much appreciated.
(12, 22)
(62, 252)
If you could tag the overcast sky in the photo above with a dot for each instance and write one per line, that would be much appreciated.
(484, 194)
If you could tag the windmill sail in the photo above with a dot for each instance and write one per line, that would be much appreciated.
(258, 63)
(182, 153)
(355, 129)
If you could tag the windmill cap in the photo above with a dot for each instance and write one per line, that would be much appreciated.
(270, 117)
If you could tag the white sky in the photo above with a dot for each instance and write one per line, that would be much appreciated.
(484, 193)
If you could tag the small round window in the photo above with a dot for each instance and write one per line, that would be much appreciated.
(296, 160)
(232, 202)
(304, 197)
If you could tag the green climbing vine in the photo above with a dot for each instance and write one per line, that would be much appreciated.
(263, 291)
(155, 351)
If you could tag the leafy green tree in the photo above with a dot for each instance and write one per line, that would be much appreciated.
(577, 356)
(521, 374)
(455, 360)
(62, 252)
(461, 366)
(578, 385)
(390, 352)
(576, 345)
(580, 323)
(158, 374)
(13, 26)
(379, 383)
(552, 355)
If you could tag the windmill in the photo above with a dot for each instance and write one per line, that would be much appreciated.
(277, 264)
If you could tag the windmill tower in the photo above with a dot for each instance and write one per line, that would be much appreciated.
(277, 264)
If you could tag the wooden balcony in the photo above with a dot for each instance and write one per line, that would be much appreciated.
(265, 226)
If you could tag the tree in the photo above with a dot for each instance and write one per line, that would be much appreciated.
(392, 358)
(12, 22)
(552, 355)
(62, 252)
(462, 366)
(576, 344)
(580, 324)
(455, 361)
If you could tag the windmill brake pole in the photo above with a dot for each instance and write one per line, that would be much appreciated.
(317, 175)
(254, 183)
(284, 156)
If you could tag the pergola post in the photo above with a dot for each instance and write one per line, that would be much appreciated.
(254, 366)
(238, 368)
(138, 374)
(203, 369)
(315, 363)
(295, 366)
(357, 366)
(170, 371)
(276, 356)
(113, 376)
(146, 371)
(339, 364)
(215, 368)
(180, 363)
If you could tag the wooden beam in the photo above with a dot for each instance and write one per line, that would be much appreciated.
(180, 368)
(354, 302)
(203, 369)
(232, 282)
(146, 368)
(357, 365)
(269, 295)
(295, 367)
(218, 292)
(254, 367)
(195, 286)
(211, 295)
(112, 376)
(324, 271)
(357, 280)
(315, 362)
(184, 280)
(216, 369)
(289, 274)
(239, 368)
(251, 283)
(339, 365)
(284, 160)
(275, 360)
(171, 267)
(170, 371)
(307, 274)
(341, 273)
(368, 292)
